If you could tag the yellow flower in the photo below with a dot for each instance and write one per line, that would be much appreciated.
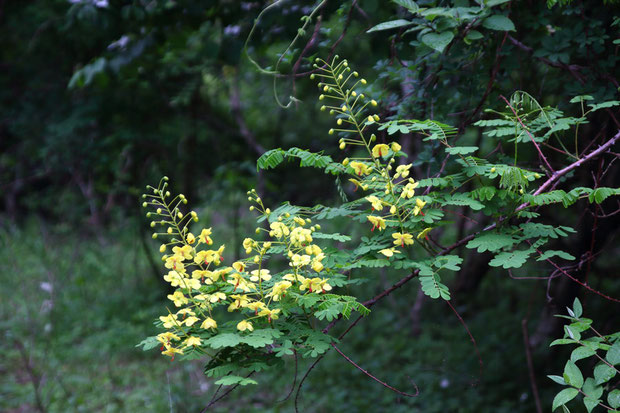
(278, 230)
(215, 297)
(419, 204)
(184, 252)
(388, 252)
(377, 222)
(190, 238)
(191, 341)
(239, 266)
(300, 236)
(166, 337)
(424, 233)
(204, 236)
(279, 289)
(376, 202)
(262, 274)
(175, 262)
(208, 323)
(402, 239)
(315, 284)
(248, 244)
(271, 314)
(402, 170)
(169, 321)
(178, 298)
(191, 320)
(358, 184)
(395, 147)
(170, 351)
(409, 190)
(360, 168)
(380, 150)
(299, 260)
(255, 306)
(245, 325)
(316, 263)
(191, 283)
(207, 257)
(174, 278)
(240, 302)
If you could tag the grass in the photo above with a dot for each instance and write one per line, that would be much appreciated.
(74, 307)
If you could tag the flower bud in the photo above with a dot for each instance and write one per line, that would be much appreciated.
(373, 102)
(162, 248)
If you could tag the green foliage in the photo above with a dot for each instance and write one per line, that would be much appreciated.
(602, 349)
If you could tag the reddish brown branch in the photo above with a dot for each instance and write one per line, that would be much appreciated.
(540, 154)
(471, 336)
(384, 384)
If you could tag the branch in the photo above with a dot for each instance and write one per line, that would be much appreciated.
(573, 69)
(558, 174)
(384, 384)
(540, 154)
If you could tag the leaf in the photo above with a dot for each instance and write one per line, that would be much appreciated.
(613, 354)
(334, 236)
(449, 262)
(553, 253)
(562, 341)
(261, 338)
(557, 379)
(473, 35)
(578, 310)
(572, 374)
(591, 389)
(564, 397)
(232, 380)
(461, 150)
(463, 200)
(329, 313)
(514, 259)
(600, 194)
(148, 343)
(491, 242)
(437, 41)
(224, 340)
(499, 22)
(392, 24)
(581, 98)
(613, 398)
(603, 373)
(604, 105)
(433, 288)
(581, 353)
(408, 4)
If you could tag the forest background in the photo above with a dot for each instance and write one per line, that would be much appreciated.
(101, 97)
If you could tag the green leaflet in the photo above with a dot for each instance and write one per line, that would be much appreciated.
(513, 259)
(275, 157)
(491, 242)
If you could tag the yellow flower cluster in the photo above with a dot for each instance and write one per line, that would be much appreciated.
(194, 268)
(395, 190)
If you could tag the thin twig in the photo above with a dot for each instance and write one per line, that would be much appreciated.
(540, 154)
(384, 384)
